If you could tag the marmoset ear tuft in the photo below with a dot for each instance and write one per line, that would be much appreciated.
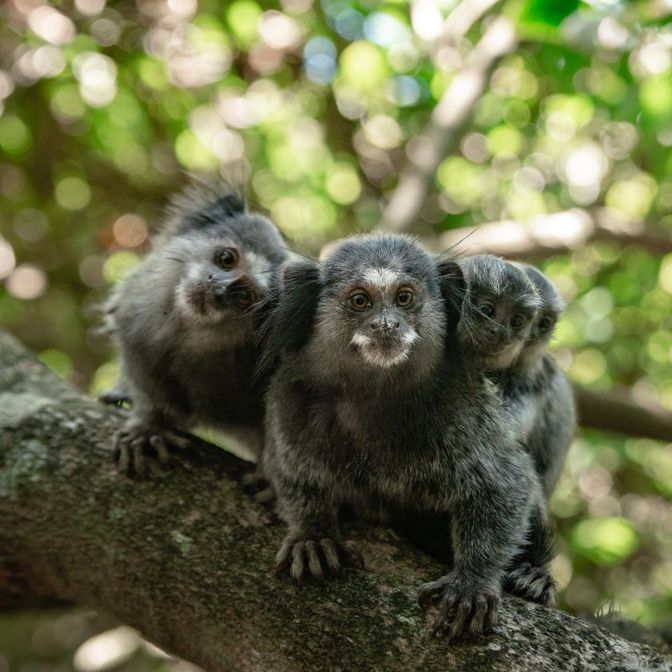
(206, 202)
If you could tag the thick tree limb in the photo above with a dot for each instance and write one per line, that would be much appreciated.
(556, 233)
(184, 558)
(619, 412)
(443, 133)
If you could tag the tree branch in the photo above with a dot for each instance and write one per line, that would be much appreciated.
(184, 558)
(443, 133)
(619, 412)
(460, 20)
(556, 233)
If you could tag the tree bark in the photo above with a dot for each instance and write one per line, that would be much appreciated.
(184, 557)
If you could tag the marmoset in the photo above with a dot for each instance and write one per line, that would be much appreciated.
(184, 323)
(506, 323)
(536, 388)
(509, 342)
(500, 307)
(372, 405)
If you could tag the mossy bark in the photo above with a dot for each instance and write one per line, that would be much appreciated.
(185, 557)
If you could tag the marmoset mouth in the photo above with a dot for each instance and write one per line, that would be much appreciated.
(382, 351)
(204, 298)
(494, 348)
(241, 294)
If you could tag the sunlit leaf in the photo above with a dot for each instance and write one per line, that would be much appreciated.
(547, 12)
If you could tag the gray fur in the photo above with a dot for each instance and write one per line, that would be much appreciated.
(536, 382)
(534, 390)
(494, 342)
(184, 322)
(376, 409)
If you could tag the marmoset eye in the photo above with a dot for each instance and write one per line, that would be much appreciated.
(545, 324)
(404, 298)
(488, 309)
(226, 258)
(359, 301)
(517, 321)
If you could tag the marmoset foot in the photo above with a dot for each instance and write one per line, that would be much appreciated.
(310, 558)
(136, 447)
(531, 583)
(466, 606)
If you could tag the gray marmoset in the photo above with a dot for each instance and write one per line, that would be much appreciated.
(497, 319)
(538, 390)
(500, 307)
(507, 320)
(373, 405)
(184, 323)
(506, 324)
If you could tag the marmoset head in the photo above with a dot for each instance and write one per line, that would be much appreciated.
(378, 308)
(218, 258)
(551, 308)
(498, 312)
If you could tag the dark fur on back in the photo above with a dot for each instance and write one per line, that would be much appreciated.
(293, 310)
(373, 407)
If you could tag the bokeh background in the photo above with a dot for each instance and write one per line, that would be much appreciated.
(105, 105)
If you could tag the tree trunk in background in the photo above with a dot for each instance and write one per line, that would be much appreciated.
(184, 557)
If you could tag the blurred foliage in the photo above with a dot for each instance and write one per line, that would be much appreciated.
(104, 106)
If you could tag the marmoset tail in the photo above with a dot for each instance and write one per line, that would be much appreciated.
(370, 407)
(184, 323)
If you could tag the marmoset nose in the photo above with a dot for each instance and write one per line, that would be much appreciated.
(384, 325)
(494, 329)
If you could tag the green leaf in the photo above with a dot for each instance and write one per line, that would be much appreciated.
(547, 12)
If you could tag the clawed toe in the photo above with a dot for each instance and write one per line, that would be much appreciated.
(136, 450)
(430, 592)
(308, 558)
(265, 496)
(255, 480)
(463, 609)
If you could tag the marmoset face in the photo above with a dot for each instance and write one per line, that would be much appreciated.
(547, 316)
(380, 308)
(383, 307)
(498, 315)
(219, 275)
